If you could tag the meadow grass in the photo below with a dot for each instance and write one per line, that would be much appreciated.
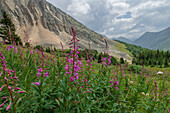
(34, 81)
(122, 47)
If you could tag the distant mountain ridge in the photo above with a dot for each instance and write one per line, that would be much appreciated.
(48, 26)
(123, 39)
(155, 40)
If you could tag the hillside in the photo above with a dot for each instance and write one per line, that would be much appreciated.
(123, 39)
(155, 40)
(147, 57)
(48, 26)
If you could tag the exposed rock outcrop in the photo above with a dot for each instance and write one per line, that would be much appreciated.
(47, 25)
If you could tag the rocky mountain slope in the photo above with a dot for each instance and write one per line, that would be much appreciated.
(48, 26)
(155, 40)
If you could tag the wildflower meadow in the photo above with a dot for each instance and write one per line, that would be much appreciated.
(33, 81)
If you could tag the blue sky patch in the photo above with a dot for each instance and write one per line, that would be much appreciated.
(127, 15)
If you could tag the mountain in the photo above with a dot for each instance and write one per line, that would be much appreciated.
(123, 39)
(155, 40)
(42, 23)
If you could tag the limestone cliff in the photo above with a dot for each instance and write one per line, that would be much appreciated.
(47, 25)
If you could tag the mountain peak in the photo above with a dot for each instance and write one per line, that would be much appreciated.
(155, 40)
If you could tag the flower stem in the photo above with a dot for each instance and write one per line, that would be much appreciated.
(6, 81)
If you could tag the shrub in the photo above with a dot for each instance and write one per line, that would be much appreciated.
(136, 68)
(38, 47)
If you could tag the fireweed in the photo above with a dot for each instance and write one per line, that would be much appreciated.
(112, 92)
(114, 83)
(89, 64)
(11, 83)
(41, 75)
(73, 64)
(73, 67)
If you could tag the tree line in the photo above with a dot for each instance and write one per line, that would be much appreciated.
(94, 54)
(147, 57)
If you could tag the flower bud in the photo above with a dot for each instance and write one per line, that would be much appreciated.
(142, 93)
(130, 82)
(147, 94)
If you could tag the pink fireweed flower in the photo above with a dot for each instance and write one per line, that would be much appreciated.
(37, 83)
(9, 71)
(21, 92)
(114, 83)
(17, 88)
(116, 88)
(4, 97)
(109, 61)
(70, 43)
(15, 49)
(8, 107)
(78, 52)
(92, 58)
(77, 77)
(117, 83)
(76, 74)
(31, 52)
(2, 87)
(1, 56)
(67, 67)
(79, 62)
(72, 78)
(46, 74)
(124, 75)
(38, 74)
(40, 70)
(19, 99)
(89, 91)
(10, 46)
(9, 87)
(104, 59)
(3, 104)
(67, 72)
(5, 78)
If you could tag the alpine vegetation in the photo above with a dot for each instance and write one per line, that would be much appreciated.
(62, 81)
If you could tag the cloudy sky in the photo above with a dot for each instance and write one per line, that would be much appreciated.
(114, 18)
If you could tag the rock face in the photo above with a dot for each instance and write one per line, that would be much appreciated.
(47, 25)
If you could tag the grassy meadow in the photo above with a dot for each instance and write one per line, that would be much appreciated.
(33, 81)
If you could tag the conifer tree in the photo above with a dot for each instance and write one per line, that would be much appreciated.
(114, 61)
(7, 30)
(166, 63)
(100, 58)
(122, 61)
